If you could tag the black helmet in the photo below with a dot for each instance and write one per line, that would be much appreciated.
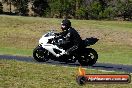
(66, 23)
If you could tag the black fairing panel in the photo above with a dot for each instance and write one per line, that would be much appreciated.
(90, 41)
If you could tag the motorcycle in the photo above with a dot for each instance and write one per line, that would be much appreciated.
(50, 47)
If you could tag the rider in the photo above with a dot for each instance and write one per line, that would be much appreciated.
(71, 36)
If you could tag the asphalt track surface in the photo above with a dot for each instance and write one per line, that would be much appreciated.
(99, 66)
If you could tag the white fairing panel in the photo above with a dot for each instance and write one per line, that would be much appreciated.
(43, 41)
(50, 48)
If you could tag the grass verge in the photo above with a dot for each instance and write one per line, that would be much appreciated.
(15, 51)
(15, 74)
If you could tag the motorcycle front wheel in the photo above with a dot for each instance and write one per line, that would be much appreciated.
(89, 57)
(40, 54)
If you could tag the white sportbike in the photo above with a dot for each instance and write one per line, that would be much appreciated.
(50, 47)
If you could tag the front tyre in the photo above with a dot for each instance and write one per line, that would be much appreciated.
(89, 57)
(40, 54)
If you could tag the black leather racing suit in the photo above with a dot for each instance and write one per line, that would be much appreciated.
(72, 39)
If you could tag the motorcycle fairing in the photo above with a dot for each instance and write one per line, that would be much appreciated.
(90, 41)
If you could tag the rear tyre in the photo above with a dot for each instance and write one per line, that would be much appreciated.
(40, 54)
(89, 57)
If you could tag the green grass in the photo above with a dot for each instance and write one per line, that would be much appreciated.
(16, 51)
(15, 74)
(20, 35)
(116, 54)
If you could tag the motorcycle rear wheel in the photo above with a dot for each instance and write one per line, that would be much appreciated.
(89, 57)
(40, 54)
